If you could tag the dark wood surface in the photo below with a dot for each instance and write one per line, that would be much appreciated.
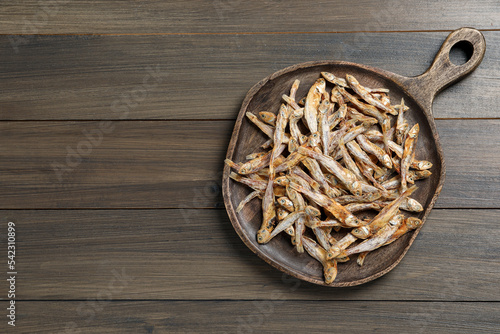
(133, 238)
(225, 16)
(268, 316)
(161, 250)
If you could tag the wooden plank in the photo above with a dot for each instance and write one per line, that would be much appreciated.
(155, 16)
(472, 177)
(196, 254)
(135, 164)
(271, 316)
(163, 164)
(206, 76)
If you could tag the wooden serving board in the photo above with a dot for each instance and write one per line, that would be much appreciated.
(418, 92)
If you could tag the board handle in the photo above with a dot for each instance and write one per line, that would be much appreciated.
(442, 71)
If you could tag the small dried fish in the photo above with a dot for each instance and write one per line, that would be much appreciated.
(268, 117)
(292, 160)
(297, 175)
(299, 231)
(288, 221)
(281, 213)
(252, 156)
(340, 246)
(371, 148)
(323, 126)
(337, 210)
(329, 266)
(286, 203)
(247, 199)
(269, 213)
(408, 204)
(295, 117)
(353, 114)
(379, 238)
(357, 207)
(315, 171)
(349, 162)
(336, 97)
(365, 198)
(383, 217)
(258, 163)
(293, 90)
(420, 174)
(408, 154)
(360, 155)
(330, 77)
(312, 102)
(420, 165)
(365, 94)
(341, 173)
(401, 124)
(410, 223)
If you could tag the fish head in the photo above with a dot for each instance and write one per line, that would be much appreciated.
(356, 188)
(314, 139)
(312, 211)
(396, 220)
(281, 180)
(352, 221)
(414, 205)
(320, 84)
(423, 174)
(361, 232)
(351, 79)
(263, 236)
(328, 75)
(281, 213)
(414, 131)
(292, 145)
(333, 252)
(424, 165)
(413, 223)
(330, 271)
(386, 161)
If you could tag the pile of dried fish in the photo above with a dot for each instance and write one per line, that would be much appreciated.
(332, 157)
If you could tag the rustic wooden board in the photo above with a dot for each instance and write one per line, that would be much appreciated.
(196, 254)
(207, 76)
(156, 16)
(172, 164)
(272, 316)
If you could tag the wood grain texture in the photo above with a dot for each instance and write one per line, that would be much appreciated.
(156, 16)
(207, 76)
(162, 164)
(113, 246)
(135, 164)
(196, 254)
(273, 316)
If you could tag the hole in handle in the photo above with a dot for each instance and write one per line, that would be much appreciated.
(461, 53)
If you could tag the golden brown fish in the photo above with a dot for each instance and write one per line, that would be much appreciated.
(312, 103)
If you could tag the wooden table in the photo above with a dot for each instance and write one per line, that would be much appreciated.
(115, 119)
